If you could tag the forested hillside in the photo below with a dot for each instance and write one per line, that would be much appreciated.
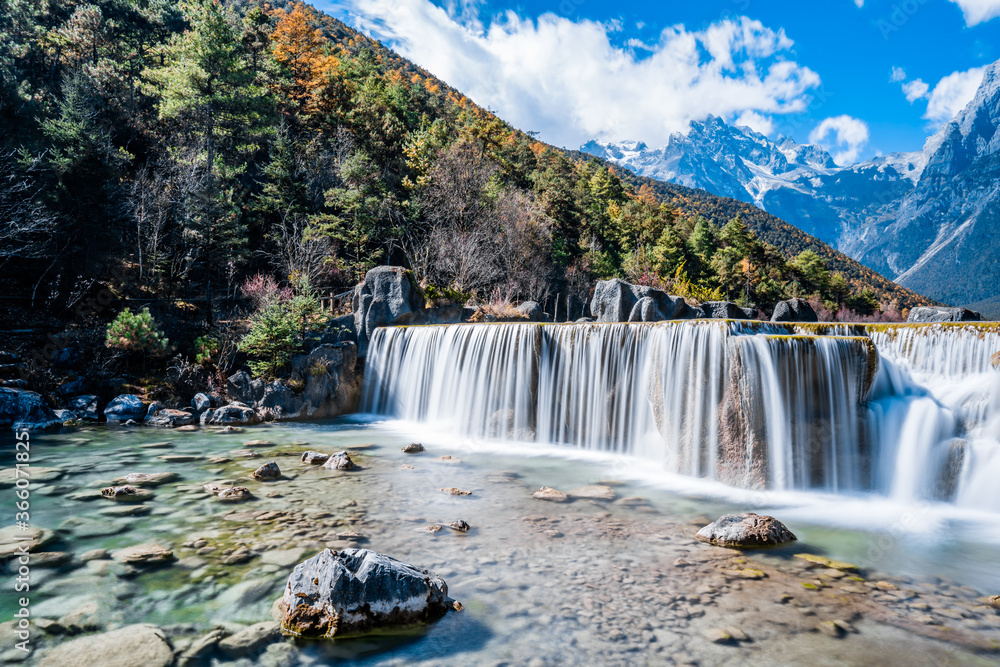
(164, 151)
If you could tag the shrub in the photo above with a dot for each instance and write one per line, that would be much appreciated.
(279, 327)
(206, 350)
(136, 332)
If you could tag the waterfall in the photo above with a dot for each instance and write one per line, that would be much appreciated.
(909, 412)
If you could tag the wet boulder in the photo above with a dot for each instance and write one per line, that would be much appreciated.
(201, 402)
(125, 407)
(339, 461)
(613, 301)
(794, 310)
(389, 295)
(923, 314)
(234, 414)
(357, 591)
(725, 310)
(269, 470)
(25, 410)
(314, 458)
(745, 530)
(616, 300)
(85, 407)
(169, 418)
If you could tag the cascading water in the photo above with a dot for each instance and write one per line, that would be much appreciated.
(908, 412)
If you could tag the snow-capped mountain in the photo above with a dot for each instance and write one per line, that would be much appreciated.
(800, 183)
(929, 219)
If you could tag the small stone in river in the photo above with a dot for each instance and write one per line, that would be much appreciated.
(219, 459)
(745, 530)
(93, 554)
(718, 636)
(593, 492)
(235, 494)
(448, 459)
(407, 466)
(432, 529)
(832, 629)
(244, 453)
(250, 640)
(143, 554)
(188, 427)
(314, 458)
(156, 445)
(454, 491)
(744, 573)
(993, 601)
(351, 535)
(259, 443)
(241, 555)
(230, 429)
(460, 526)
(413, 448)
(116, 491)
(127, 510)
(339, 461)
(886, 586)
(149, 478)
(179, 458)
(548, 493)
(144, 645)
(827, 562)
(269, 470)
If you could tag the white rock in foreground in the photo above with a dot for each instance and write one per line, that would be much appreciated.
(357, 591)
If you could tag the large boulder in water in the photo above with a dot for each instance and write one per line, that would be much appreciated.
(84, 407)
(125, 407)
(746, 530)
(357, 591)
(389, 295)
(942, 314)
(234, 414)
(794, 310)
(168, 418)
(25, 410)
(646, 310)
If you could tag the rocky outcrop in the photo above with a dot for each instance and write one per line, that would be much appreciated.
(125, 407)
(389, 295)
(245, 389)
(201, 402)
(533, 312)
(358, 591)
(615, 301)
(727, 310)
(234, 414)
(941, 314)
(793, 310)
(25, 410)
(84, 407)
(168, 418)
(746, 530)
(331, 386)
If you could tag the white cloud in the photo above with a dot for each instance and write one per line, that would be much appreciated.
(757, 122)
(952, 93)
(915, 90)
(568, 80)
(977, 11)
(850, 135)
(898, 74)
(859, 3)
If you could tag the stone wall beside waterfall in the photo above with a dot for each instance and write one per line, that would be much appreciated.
(837, 408)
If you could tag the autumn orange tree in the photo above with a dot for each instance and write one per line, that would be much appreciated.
(311, 85)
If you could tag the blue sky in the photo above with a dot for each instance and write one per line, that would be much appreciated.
(862, 77)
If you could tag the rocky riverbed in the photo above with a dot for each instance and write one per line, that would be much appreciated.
(599, 572)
